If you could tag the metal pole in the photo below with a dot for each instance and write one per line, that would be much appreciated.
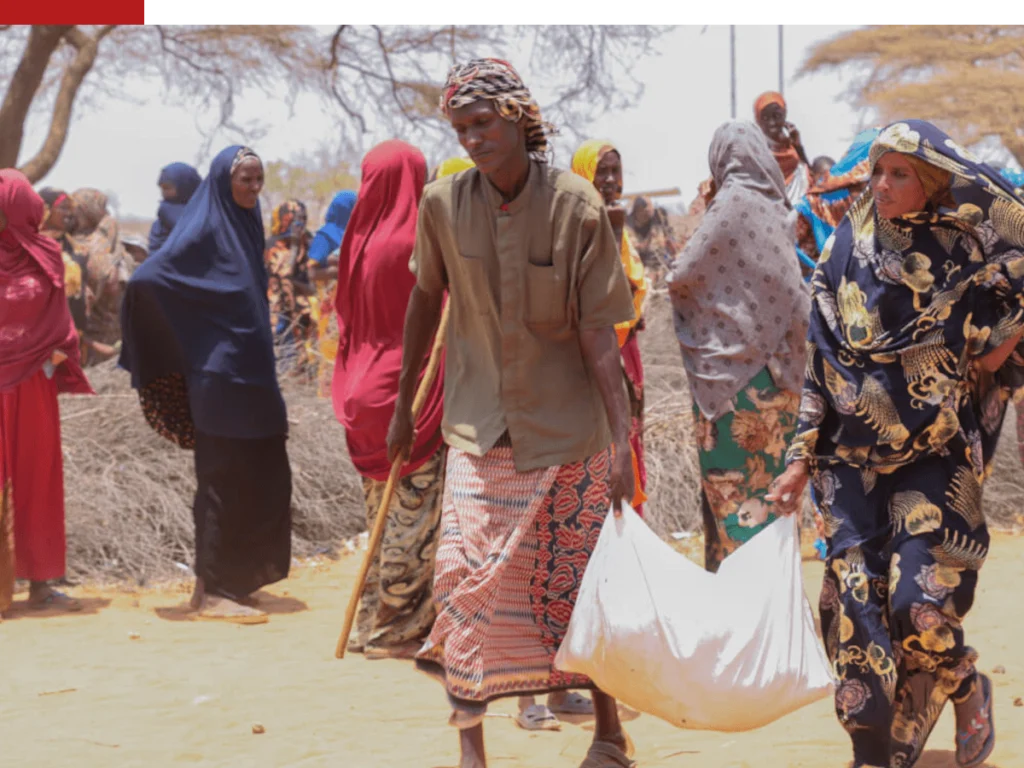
(732, 67)
(782, 71)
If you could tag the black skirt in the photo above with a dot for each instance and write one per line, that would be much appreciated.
(242, 513)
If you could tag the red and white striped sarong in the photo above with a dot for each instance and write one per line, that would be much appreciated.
(513, 549)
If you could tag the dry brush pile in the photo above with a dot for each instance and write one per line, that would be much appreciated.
(129, 492)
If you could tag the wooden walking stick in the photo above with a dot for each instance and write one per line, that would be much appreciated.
(433, 364)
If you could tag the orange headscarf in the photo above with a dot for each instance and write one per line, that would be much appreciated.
(584, 163)
(787, 157)
(766, 98)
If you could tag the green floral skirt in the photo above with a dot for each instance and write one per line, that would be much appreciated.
(740, 454)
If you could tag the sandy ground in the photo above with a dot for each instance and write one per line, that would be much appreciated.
(132, 681)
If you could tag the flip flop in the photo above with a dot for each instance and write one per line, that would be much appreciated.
(603, 754)
(538, 717)
(404, 651)
(233, 618)
(574, 704)
(56, 600)
(978, 722)
(232, 613)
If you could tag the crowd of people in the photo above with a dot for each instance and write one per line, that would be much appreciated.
(853, 324)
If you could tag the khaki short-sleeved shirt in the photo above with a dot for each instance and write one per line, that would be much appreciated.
(524, 278)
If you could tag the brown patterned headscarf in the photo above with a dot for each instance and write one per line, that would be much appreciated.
(498, 81)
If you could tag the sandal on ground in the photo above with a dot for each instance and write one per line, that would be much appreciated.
(574, 704)
(603, 754)
(537, 717)
(978, 722)
(55, 599)
(404, 651)
(231, 612)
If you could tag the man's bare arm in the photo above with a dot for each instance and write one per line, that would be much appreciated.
(601, 354)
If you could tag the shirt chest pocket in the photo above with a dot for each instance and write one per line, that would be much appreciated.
(546, 293)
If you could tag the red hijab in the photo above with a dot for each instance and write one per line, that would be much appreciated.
(374, 285)
(34, 316)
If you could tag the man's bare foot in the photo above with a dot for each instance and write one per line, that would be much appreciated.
(608, 727)
(975, 734)
(215, 608)
(570, 703)
(41, 596)
(471, 743)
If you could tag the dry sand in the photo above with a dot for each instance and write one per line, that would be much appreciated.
(132, 681)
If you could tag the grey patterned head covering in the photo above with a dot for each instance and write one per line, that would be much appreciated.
(739, 156)
(740, 302)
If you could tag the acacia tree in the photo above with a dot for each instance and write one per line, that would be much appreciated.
(969, 80)
(375, 77)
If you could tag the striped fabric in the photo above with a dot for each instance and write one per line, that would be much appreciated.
(514, 546)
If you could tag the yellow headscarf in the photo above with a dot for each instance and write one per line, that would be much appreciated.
(452, 166)
(584, 163)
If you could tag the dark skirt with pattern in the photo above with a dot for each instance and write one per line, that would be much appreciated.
(242, 508)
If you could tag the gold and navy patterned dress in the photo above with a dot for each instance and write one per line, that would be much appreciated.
(899, 424)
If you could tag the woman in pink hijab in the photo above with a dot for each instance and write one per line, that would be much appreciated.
(39, 357)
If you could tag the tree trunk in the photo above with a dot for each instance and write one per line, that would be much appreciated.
(42, 42)
(74, 74)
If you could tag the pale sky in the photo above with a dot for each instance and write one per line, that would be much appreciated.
(120, 146)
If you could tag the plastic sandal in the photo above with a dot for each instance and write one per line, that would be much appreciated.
(537, 717)
(574, 704)
(56, 599)
(978, 722)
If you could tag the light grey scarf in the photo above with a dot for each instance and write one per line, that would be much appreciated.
(740, 302)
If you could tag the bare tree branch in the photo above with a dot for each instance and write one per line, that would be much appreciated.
(380, 79)
(335, 44)
(41, 44)
(86, 50)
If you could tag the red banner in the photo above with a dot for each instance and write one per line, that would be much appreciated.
(73, 12)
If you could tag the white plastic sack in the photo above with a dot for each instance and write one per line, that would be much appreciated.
(730, 651)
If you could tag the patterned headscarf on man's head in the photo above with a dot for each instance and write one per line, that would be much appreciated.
(498, 81)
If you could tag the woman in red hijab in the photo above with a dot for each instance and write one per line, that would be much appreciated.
(38, 358)
(374, 285)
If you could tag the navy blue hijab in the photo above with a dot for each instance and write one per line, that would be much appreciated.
(186, 181)
(198, 308)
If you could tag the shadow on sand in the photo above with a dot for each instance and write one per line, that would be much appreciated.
(20, 609)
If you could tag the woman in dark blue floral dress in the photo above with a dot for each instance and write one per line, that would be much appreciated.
(917, 309)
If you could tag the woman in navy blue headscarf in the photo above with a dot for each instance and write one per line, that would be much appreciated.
(918, 308)
(198, 345)
(178, 182)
